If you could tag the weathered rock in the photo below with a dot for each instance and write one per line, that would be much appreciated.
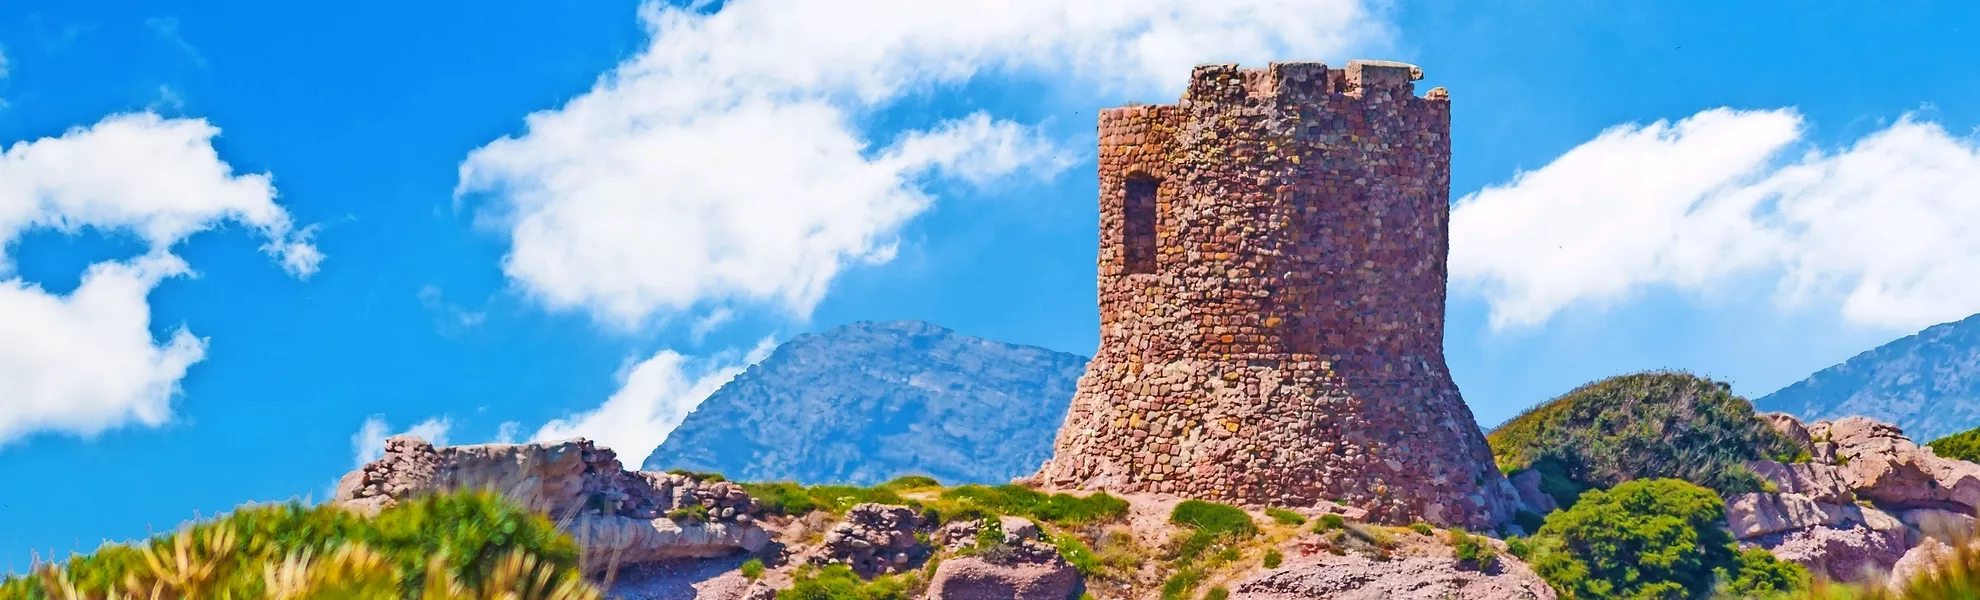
(1820, 482)
(1945, 525)
(1753, 515)
(1791, 428)
(874, 539)
(1527, 484)
(616, 515)
(1882, 465)
(975, 578)
(1356, 577)
(1921, 559)
(1850, 553)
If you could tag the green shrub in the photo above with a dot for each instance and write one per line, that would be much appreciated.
(470, 542)
(693, 513)
(1641, 426)
(1329, 522)
(1285, 517)
(1217, 593)
(1060, 509)
(911, 482)
(1651, 538)
(838, 582)
(1078, 554)
(1421, 528)
(753, 568)
(1473, 549)
(1758, 574)
(1213, 518)
(1273, 558)
(1181, 583)
(786, 498)
(1964, 445)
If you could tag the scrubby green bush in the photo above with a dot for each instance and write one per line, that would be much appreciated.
(786, 498)
(1213, 518)
(1421, 528)
(1650, 538)
(1473, 550)
(1647, 425)
(441, 546)
(753, 568)
(693, 513)
(1059, 509)
(699, 476)
(1078, 554)
(1273, 558)
(1217, 593)
(1285, 517)
(1329, 522)
(1760, 575)
(1964, 445)
(838, 582)
(1207, 526)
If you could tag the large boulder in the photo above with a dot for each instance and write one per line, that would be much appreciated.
(1356, 577)
(617, 516)
(1022, 567)
(1526, 484)
(1851, 553)
(1819, 482)
(1885, 467)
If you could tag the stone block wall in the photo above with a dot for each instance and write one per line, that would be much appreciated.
(1272, 271)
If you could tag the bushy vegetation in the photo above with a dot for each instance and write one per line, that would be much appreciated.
(753, 568)
(1058, 509)
(1209, 537)
(1473, 550)
(1273, 558)
(1647, 425)
(838, 582)
(1329, 522)
(787, 498)
(1964, 445)
(1285, 517)
(1650, 538)
(442, 547)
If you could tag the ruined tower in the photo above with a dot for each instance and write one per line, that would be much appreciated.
(1272, 267)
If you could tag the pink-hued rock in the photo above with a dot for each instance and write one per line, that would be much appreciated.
(1885, 467)
(1820, 482)
(616, 515)
(874, 539)
(1943, 524)
(973, 578)
(1790, 427)
(1753, 515)
(1850, 553)
(1356, 577)
(1527, 483)
(1921, 559)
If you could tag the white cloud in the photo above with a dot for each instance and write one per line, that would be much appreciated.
(368, 444)
(724, 163)
(653, 397)
(1880, 227)
(506, 432)
(86, 362)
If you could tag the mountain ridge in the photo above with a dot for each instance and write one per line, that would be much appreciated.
(1926, 383)
(872, 400)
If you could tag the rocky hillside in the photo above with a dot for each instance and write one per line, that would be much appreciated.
(1646, 425)
(1928, 384)
(868, 402)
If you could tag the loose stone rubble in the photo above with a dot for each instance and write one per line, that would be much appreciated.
(1023, 567)
(1272, 279)
(874, 539)
(617, 516)
(1868, 496)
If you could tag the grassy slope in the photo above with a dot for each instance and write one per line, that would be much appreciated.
(1645, 425)
(1964, 445)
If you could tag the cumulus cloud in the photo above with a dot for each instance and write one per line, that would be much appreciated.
(724, 164)
(86, 361)
(654, 396)
(1879, 227)
(368, 444)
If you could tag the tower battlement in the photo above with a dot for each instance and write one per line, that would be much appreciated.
(1271, 273)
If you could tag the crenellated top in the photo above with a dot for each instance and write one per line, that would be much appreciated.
(1296, 81)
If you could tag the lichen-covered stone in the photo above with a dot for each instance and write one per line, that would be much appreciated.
(1272, 273)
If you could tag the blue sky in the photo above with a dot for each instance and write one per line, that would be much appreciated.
(519, 219)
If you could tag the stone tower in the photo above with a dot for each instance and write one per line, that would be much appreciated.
(1272, 266)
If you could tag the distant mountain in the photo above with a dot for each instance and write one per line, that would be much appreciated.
(867, 402)
(1928, 384)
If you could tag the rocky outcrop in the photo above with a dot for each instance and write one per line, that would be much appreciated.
(874, 539)
(617, 516)
(1022, 566)
(1928, 384)
(1356, 577)
(1876, 495)
(1531, 499)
